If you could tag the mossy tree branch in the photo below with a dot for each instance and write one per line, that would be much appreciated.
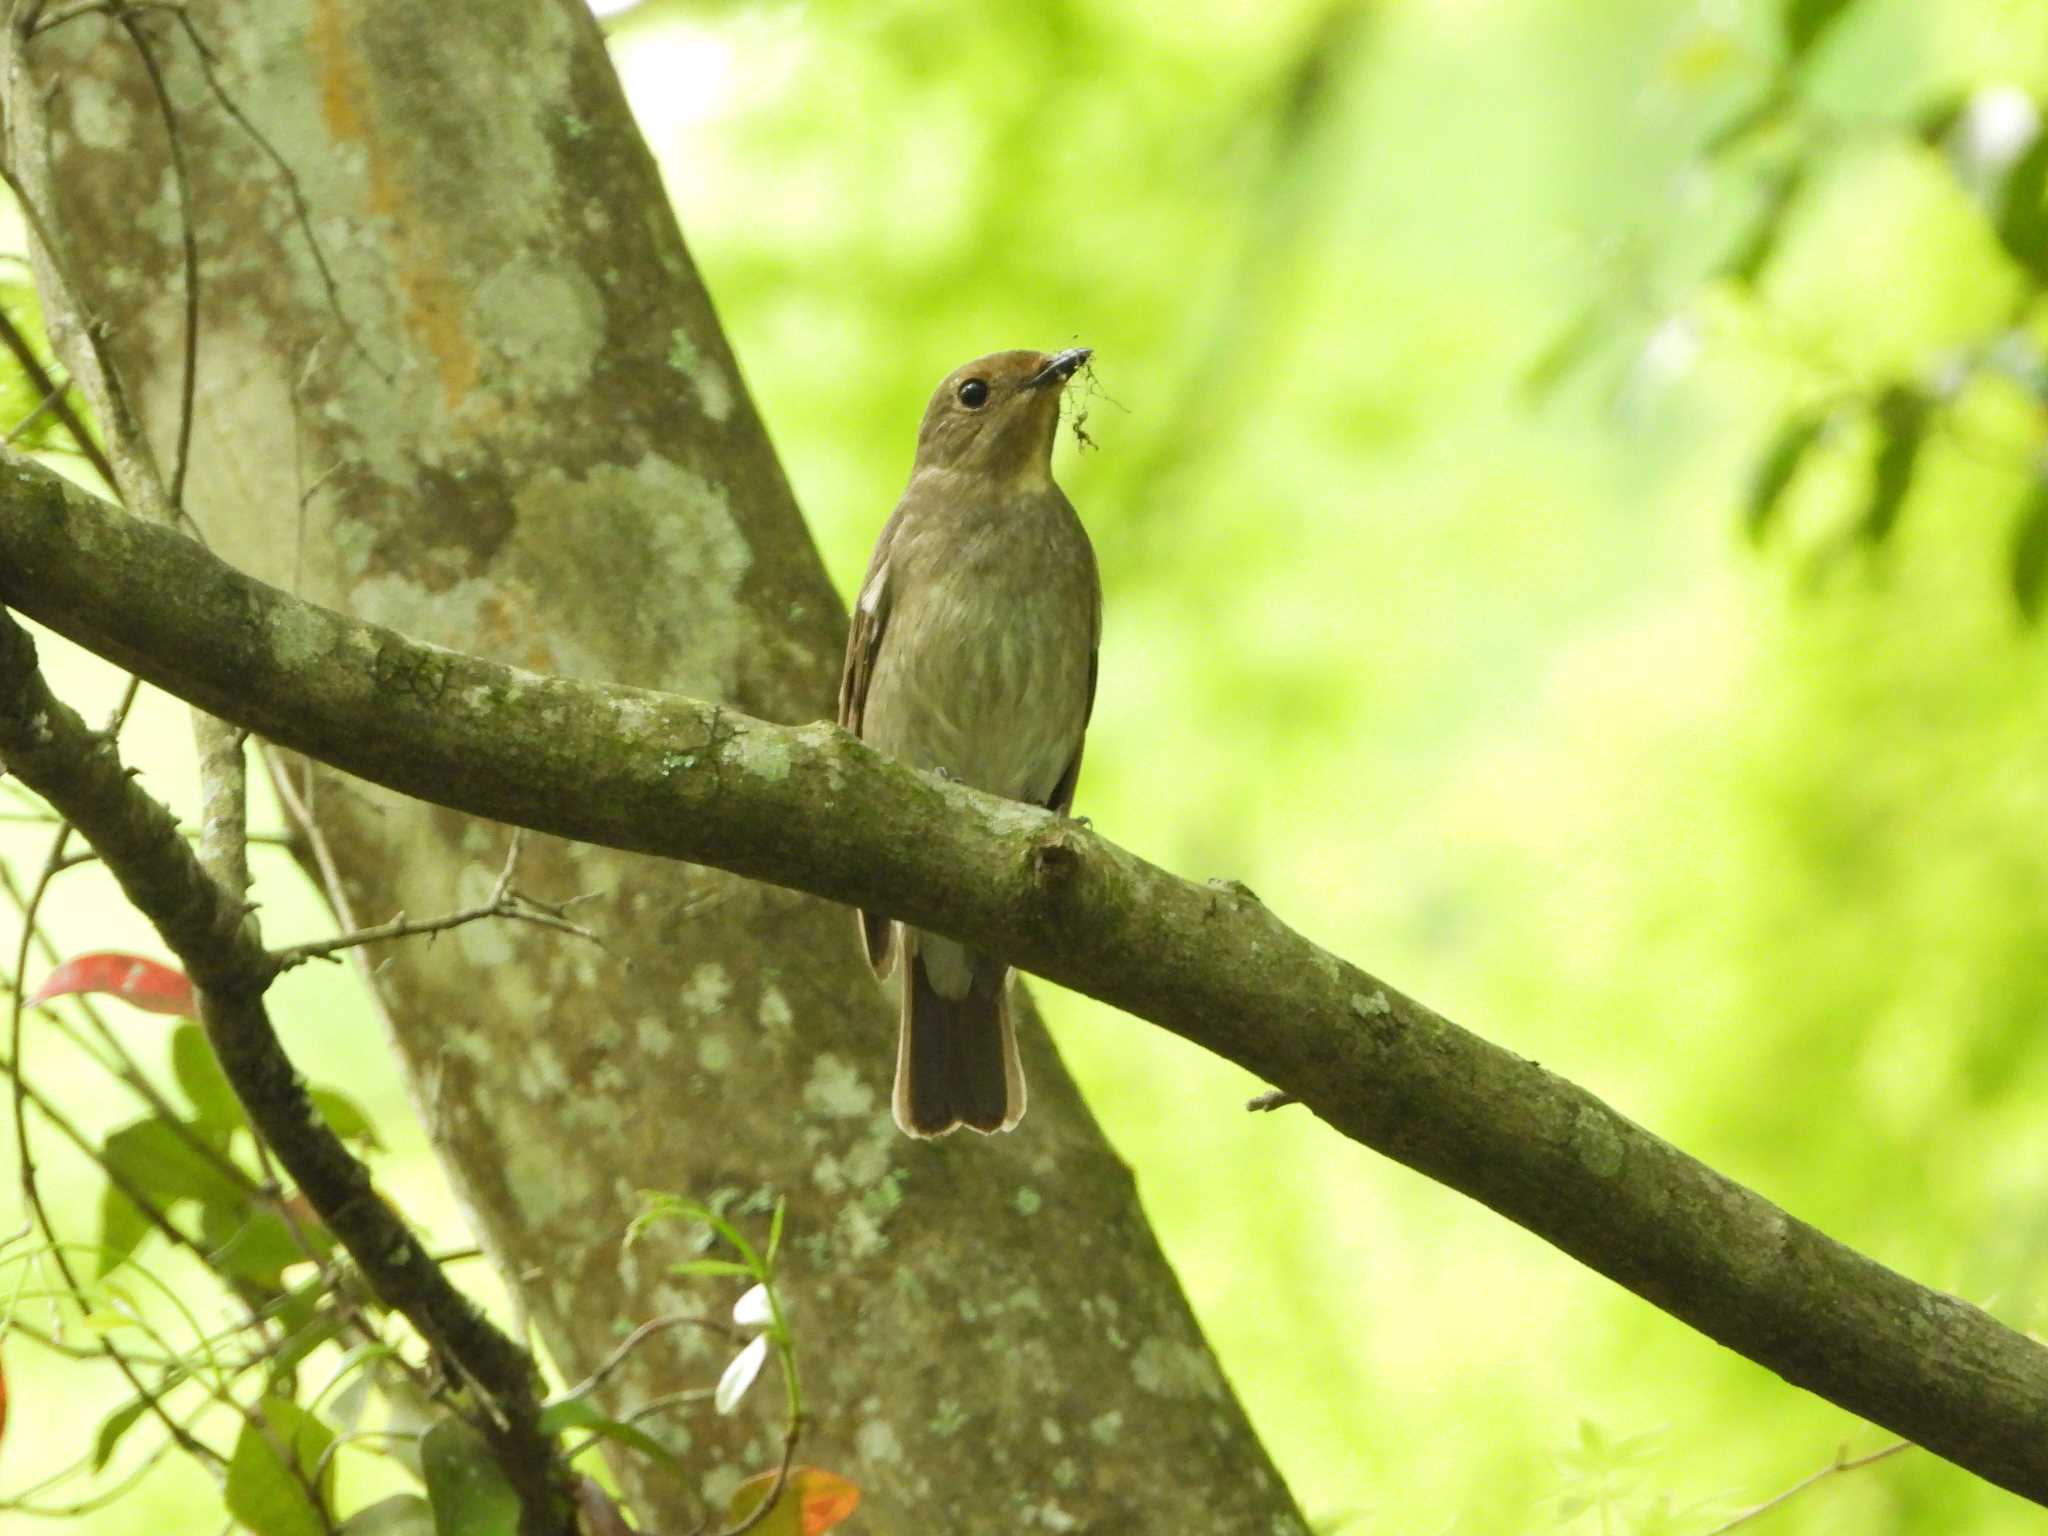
(811, 808)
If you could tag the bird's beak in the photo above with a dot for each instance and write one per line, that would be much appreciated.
(1061, 368)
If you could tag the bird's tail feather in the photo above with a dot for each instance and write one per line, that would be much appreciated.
(956, 1058)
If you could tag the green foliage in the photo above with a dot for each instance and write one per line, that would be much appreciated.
(281, 1480)
(2030, 554)
(21, 399)
(465, 1486)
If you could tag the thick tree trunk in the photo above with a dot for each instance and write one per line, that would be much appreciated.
(510, 422)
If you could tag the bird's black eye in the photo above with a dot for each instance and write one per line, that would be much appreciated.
(974, 394)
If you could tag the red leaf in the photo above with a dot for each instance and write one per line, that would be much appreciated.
(827, 1498)
(145, 983)
(813, 1501)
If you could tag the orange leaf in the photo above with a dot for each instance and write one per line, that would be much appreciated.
(812, 1502)
(827, 1499)
(146, 984)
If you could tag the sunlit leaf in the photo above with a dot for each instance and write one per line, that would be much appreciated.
(326, 1325)
(746, 1365)
(164, 1166)
(724, 1267)
(1775, 470)
(344, 1116)
(201, 1080)
(253, 1242)
(1746, 262)
(2030, 553)
(147, 984)
(1567, 350)
(19, 395)
(465, 1485)
(1805, 22)
(1937, 119)
(1757, 118)
(2023, 208)
(113, 1427)
(577, 1413)
(403, 1514)
(813, 1500)
(271, 1482)
(1902, 415)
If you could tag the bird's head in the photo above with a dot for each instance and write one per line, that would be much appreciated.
(996, 416)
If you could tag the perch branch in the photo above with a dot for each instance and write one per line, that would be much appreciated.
(811, 808)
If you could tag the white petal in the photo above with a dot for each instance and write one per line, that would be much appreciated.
(739, 1376)
(752, 1310)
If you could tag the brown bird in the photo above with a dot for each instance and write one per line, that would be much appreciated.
(973, 656)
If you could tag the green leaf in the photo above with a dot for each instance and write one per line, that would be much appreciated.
(122, 1229)
(711, 1267)
(1902, 415)
(577, 1413)
(465, 1486)
(271, 1485)
(345, 1117)
(2023, 208)
(1935, 121)
(1760, 116)
(403, 1514)
(1748, 259)
(165, 1167)
(2030, 553)
(1774, 472)
(1567, 350)
(113, 1427)
(204, 1085)
(775, 1230)
(253, 1242)
(1805, 22)
(159, 1158)
(327, 1325)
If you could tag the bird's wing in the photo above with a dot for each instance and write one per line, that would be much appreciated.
(863, 640)
(1062, 800)
(870, 615)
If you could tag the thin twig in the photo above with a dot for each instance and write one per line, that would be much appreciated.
(1843, 1462)
(775, 1489)
(503, 901)
(39, 378)
(16, 432)
(302, 215)
(108, 8)
(49, 749)
(635, 1339)
(188, 382)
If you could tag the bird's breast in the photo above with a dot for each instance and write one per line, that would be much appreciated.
(983, 669)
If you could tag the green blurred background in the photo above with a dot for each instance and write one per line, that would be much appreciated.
(1455, 654)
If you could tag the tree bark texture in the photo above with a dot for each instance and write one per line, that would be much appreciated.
(457, 375)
